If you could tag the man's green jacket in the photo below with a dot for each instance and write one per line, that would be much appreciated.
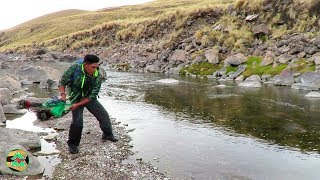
(90, 88)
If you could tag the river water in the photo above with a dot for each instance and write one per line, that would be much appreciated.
(206, 129)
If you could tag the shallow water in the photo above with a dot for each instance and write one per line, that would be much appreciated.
(195, 129)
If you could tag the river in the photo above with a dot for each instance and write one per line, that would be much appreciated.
(193, 128)
(205, 129)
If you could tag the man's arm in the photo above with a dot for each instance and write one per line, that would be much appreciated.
(65, 80)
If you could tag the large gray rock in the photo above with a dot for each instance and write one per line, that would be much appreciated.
(235, 60)
(254, 78)
(261, 29)
(316, 42)
(212, 56)
(12, 109)
(310, 77)
(268, 59)
(285, 78)
(239, 71)
(33, 74)
(152, 69)
(179, 55)
(7, 81)
(308, 81)
(316, 58)
(284, 58)
(5, 95)
(29, 140)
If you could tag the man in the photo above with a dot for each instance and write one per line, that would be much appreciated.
(84, 82)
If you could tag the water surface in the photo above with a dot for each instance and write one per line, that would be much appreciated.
(196, 129)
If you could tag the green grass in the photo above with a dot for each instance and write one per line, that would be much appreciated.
(304, 66)
(253, 67)
(200, 69)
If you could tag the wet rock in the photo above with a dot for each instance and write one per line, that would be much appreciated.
(250, 83)
(313, 94)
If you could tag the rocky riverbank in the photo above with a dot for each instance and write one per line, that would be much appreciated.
(97, 159)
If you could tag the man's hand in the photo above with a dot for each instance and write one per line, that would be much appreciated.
(74, 106)
(81, 103)
(63, 96)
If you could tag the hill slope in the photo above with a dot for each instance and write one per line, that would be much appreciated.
(73, 27)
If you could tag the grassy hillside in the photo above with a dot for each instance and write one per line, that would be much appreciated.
(74, 29)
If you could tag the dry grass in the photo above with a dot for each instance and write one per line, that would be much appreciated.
(74, 28)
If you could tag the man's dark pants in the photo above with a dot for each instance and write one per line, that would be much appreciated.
(76, 126)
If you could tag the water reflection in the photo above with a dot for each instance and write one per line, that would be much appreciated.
(278, 114)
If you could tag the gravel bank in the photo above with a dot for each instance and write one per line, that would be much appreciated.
(97, 159)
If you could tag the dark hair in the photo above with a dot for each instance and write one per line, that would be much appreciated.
(90, 59)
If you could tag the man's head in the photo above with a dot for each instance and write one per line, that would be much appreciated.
(91, 63)
(90, 59)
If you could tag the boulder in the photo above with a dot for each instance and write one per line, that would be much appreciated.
(152, 69)
(212, 56)
(254, 78)
(34, 74)
(179, 55)
(268, 59)
(235, 60)
(12, 109)
(285, 78)
(261, 29)
(7, 81)
(316, 58)
(239, 71)
(5, 95)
